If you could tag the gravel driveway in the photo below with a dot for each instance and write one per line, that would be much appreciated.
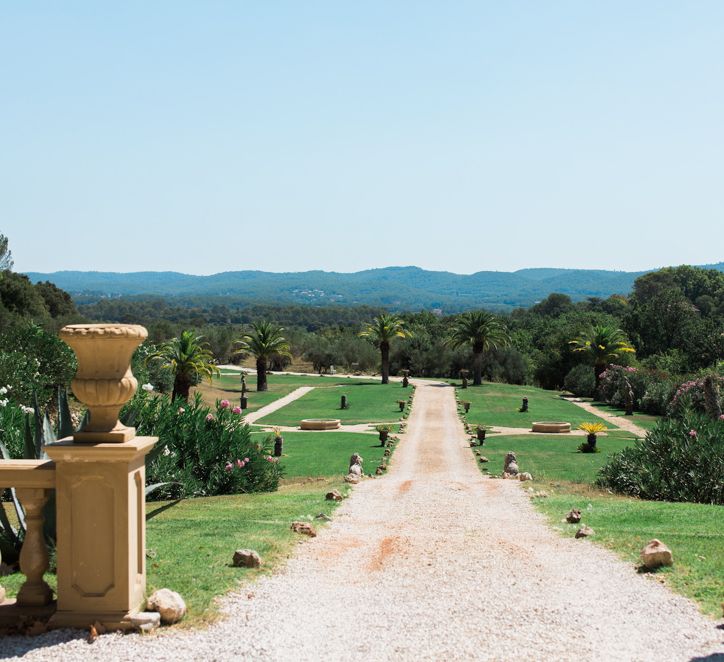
(431, 562)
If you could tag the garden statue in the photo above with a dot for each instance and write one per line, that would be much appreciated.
(405, 380)
(464, 376)
(510, 464)
(244, 401)
(524, 407)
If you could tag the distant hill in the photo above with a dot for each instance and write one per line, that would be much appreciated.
(398, 288)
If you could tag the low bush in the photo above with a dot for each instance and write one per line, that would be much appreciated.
(201, 451)
(681, 459)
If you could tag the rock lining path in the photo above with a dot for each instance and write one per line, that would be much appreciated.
(431, 562)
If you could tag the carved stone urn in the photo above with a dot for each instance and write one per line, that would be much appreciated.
(104, 381)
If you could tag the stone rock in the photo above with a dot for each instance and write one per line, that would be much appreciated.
(169, 604)
(484, 459)
(356, 459)
(574, 516)
(304, 528)
(510, 464)
(324, 517)
(656, 554)
(355, 469)
(334, 495)
(584, 532)
(387, 452)
(379, 471)
(505, 475)
(525, 476)
(246, 558)
(352, 478)
(146, 621)
(477, 453)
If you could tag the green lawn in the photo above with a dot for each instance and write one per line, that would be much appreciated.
(369, 402)
(326, 453)
(645, 421)
(498, 404)
(694, 532)
(228, 387)
(553, 456)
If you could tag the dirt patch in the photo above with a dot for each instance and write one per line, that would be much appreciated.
(389, 545)
(404, 488)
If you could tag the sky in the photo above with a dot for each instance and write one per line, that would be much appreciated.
(281, 135)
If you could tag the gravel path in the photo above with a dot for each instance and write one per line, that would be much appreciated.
(619, 421)
(431, 562)
(277, 404)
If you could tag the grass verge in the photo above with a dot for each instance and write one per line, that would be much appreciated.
(498, 404)
(369, 402)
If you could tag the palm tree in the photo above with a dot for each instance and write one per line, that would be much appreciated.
(189, 359)
(601, 344)
(264, 341)
(482, 331)
(380, 332)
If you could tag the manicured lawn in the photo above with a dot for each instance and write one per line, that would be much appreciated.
(498, 404)
(694, 532)
(369, 402)
(645, 421)
(326, 453)
(228, 387)
(553, 456)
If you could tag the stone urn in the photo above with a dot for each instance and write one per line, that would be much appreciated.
(104, 381)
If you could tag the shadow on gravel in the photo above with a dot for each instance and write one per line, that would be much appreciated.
(716, 657)
(18, 646)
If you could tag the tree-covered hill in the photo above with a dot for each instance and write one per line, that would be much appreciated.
(397, 288)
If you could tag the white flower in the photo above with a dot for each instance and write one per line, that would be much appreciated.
(166, 451)
(147, 387)
(3, 390)
(27, 410)
(4, 402)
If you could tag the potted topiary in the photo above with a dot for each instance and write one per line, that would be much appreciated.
(405, 380)
(464, 374)
(384, 431)
(401, 404)
(465, 405)
(592, 429)
(278, 442)
(480, 431)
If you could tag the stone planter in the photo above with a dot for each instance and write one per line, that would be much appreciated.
(278, 446)
(383, 437)
(104, 381)
(481, 435)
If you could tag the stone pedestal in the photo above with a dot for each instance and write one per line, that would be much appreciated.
(101, 552)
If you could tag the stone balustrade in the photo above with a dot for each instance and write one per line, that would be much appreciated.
(33, 481)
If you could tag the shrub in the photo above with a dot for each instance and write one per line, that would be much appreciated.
(692, 395)
(681, 459)
(203, 451)
(580, 381)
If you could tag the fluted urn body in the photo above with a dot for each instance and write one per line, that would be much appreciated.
(104, 381)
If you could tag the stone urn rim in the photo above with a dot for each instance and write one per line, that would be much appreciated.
(103, 331)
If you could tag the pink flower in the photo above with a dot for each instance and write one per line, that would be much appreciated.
(246, 460)
(721, 417)
(240, 463)
(236, 410)
(692, 433)
(209, 418)
(224, 404)
(229, 466)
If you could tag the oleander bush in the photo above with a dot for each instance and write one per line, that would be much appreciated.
(202, 451)
(681, 459)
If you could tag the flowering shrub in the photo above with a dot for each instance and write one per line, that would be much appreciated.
(692, 395)
(652, 389)
(205, 451)
(681, 459)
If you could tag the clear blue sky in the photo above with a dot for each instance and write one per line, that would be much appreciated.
(211, 136)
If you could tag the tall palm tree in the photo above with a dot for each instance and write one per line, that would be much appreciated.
(482, 331)
(264, 341)
(189, 359)
(601, 344)
(380, 332)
